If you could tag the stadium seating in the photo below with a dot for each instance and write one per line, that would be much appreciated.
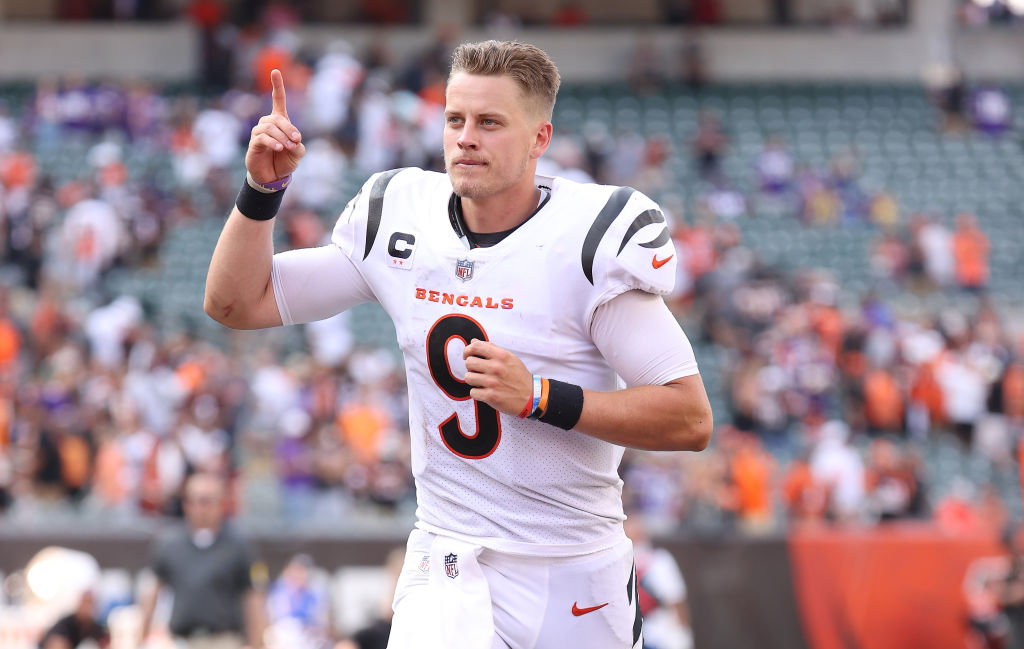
(892, 128)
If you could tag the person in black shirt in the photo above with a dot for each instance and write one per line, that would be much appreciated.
(208, 566)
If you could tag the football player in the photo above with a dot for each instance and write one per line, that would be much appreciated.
(536, 342)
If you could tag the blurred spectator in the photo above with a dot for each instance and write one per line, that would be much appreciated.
(627, 156)
(646, 74)
(8, 129)
(775, 165)
(653, 178)
(990, 110)
(655, 488)
(951, 98)
(883, 210)
(208, 566)
(994, 593)
(844, 180)
(709, 143)
(883, 401)
(94, 235)
(693, 66)
(837, 466)
(936, 244)
(298, 607)
(1012, 388)
(751, 472)
(217, 133)
(963, 382)
(970, 251)
(295, 459)
(804, 497)
(377, 136)
(661, 591)
(890, 258)
(819, 202)
(987, 624)
(566, 160)
(215, 46)
(723, 201)
(891, 481)
(335, 77)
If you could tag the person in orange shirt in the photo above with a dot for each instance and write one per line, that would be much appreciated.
(363, 425)
(970, 250)
(926, 393)
(10, 338)
(806, 499)
(752, 469)
(883, 402)
(18, 170)
(1013, 391)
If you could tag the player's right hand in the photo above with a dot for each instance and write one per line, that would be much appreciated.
(275, 146)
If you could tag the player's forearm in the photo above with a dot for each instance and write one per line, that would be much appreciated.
(238, 287)
(673, 417)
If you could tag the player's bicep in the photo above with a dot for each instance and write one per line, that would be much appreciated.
(316, 283)
(641, 340)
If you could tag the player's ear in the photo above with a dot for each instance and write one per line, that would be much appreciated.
(541, 140)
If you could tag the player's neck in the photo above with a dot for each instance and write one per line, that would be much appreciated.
(502, 211)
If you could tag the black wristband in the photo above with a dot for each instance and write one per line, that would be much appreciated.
(565, 404)
(257, 205)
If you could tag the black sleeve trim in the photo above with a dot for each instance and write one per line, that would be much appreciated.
(376, 208)
(643, 219)
(599, 228)
(659, 240)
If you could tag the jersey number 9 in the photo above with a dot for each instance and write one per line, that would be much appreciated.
(488, 424)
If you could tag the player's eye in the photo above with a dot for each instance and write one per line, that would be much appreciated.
(453, 119)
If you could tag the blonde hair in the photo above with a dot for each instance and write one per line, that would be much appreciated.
(529, 66)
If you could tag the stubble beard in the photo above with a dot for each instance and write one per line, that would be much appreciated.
(484, 187)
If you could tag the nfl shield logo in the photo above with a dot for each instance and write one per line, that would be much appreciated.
(425, 563)
(451, 565)
(464, 269)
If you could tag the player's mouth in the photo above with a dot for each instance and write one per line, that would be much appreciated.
(467, 163)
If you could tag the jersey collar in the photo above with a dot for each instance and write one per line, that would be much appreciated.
(486, 239)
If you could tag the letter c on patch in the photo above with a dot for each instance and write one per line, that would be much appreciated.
(400, 245)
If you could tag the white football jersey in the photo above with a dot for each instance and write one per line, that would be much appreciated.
(512, 484)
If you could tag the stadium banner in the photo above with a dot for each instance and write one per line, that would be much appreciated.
(889, 587)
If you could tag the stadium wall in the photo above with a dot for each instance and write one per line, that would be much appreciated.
(888, 587)
(932, 40)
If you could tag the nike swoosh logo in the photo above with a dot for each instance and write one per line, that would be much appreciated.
(658, 263)
(577, 611)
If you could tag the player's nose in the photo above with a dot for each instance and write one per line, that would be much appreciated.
(468, 138)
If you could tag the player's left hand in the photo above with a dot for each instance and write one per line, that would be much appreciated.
(497, 376)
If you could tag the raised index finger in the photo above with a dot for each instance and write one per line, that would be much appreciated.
(277, 81)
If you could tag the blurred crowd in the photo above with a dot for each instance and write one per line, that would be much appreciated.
(104, 410)
(511, 13)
